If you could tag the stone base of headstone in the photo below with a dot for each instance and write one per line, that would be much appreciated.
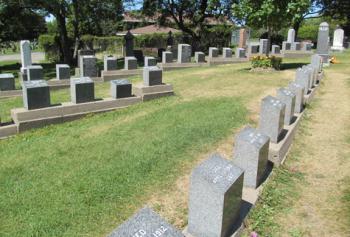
(310, 96)
(8, 94)
(152, 92)
(7, 82)
(175, 66)
(338, 48)
(8, 131)
(199, 57)
(278, 151)
(29, 119)
(119, 74)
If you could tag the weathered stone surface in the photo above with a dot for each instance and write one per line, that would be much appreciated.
(276, 49)
(84, 52)
(311, 73)
(62, 71)
(323, 42)
(291, 36)
(7, 82)
(110, 63)
(130, 63)
(215, 197)
(253, 48)
(286, 46)
(213, 52)
(240, 53)
(302, 78)
(26, 54)
(146, 223)
(121, 88)
(152, 76)
(167, 57)
(82, 90)
(88, 66)
(288, 98)
(36, 94)
(35, 72)
(150, 61)
(251, 154)
(316, 62)
(298, 90)
(296, 46)
(226, 52)
(307, 46)
(199, 57)
(338, 40)
(272, 117)
(184, 53)
(263, 46)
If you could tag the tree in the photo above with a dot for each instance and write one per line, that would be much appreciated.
(338, 9)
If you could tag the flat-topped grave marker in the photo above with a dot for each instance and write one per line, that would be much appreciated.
(276, 49)
(215, 197)
(226, 52)
(110, 63)
(213, 52)
(36, 94)
(184, 53)
(286, 46)
(240, 53)
(296, 46)
(152, 76)
(199, 57)
(130, 63)
(82, 90)
(298, 90)
(253, 48)
(121, 88)
(167, 57)
(146, 223)
(263, 46)
(35, 72)
(288, 98)
(7, 82)
(84, 52)
(251, 154)
(89, 68)
(272, 117)
(62, 71)
(150, 61)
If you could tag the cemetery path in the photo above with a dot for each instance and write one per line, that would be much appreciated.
(325, 163)
(36, 57)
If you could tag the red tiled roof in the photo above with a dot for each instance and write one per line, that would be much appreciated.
(150, 30)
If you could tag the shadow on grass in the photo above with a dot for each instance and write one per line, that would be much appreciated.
(287, 66)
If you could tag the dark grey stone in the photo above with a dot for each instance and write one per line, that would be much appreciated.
(82, 90)
(130, 63)
(213, 52)
(302, 77)
(276, 49)
(167, 57)
(263, 46)
(288, 98)
(7, 82)
(150, 61)
(251, 153)
(272, 117)
(62, 71)
(296, 46)
(226, 52)
(36, 94)
(152, 76)
(307, 46)
(253, 48)
(121, 88)
(215, 197)
(89, 68)
(298, 90)
(240, 53)
(35, 72)
(184, 53)
(146, 223)
(84, 52)
(323, 41)
(286, 46)
(110, 63)
(199, 57)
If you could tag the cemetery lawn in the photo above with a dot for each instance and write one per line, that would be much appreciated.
(310, 194)
(85, 177)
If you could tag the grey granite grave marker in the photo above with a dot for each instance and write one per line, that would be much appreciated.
(272, 117)
(35, 72)
(84, 52)
(89, 68)
(253, 48)
(240, 53)
(213, 52)
(215, 197)
(288, 98)
(82, 90)
(296, 46)
(199, 57)
(263, 46)
(152, 76)
(184, 53)
(276, 49)
(62, 71)
(7, 82)
(167, 57)
(146, 223)
(150, 61)
(286, 46)
(316, 62)
(302, 78)
(251, 153)
(226, 52)
(26, 54)
(323, 42)
(307, 46)
(130, 63)
(121, 88)
(110, 63)
(298, 90)
(36, 94)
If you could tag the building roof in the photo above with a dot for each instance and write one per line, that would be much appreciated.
(151, 29)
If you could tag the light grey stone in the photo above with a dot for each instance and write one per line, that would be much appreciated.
(338, 40)
(263, 46)
(323, 42)
(213, 52)
(251, 153)
(288, 98)
(316, 62)
(26, 54)
(84, 52)
(62, 71)
(35, 72)
(130, 63)
(276, 49)
(215, 197)
(253, 48)
(286, 46)
(110, 63)
(150, 61)
(7, 82)
(296, 46)
(146, 223)
(291, 36)
(302, 77)
(88, 66)
(298, 90)
(226, 52)
(36, 94)
(240, 53)
(199, 57)
(82, 90)
(272, 117)
(310, 71)
(121, 88)
(152, 76)
(167, 57)
(307, 46)
(184, 53)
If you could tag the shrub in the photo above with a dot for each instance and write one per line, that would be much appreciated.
(267, 62)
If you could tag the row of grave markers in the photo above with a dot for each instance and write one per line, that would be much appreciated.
(216, 185)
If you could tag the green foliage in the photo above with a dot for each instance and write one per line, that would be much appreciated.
(266, 62)
(49, 43)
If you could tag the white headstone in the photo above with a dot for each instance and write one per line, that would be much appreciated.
(291, 36)
(338, 40)
(26, 54)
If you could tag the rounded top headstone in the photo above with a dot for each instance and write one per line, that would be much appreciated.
(324, 26)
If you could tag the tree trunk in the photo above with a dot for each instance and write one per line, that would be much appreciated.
(61, 24)
(76, 29)
(296, 27)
